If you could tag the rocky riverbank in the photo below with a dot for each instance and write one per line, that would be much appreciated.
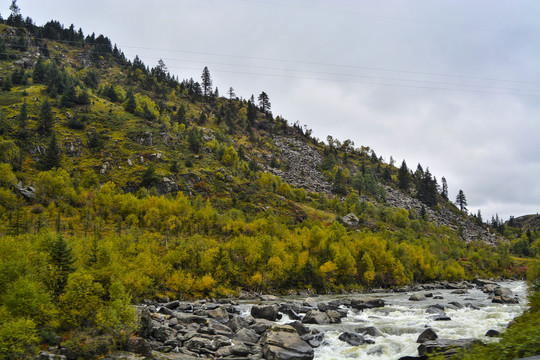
(268, 327)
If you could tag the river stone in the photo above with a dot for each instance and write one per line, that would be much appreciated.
(301, 329)
(370, 330)
(316, 317)
(163, 333)
(417, 297)
(460, 291)
(427, 335)
(260, 326)
(268, 312)
(197, 343)
(445, 347)
(456, 305)
(502, 291)
(247, 336)
(282, 342)
(492, 333)
(361, 304)
(442, 318)
(334, 316)
(435, 309)
(504, 300)
(239, 322)
(219, 314)
(351, 338)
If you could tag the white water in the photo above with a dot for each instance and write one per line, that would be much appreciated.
(401, 321)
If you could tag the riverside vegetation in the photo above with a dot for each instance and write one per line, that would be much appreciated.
(120, 183)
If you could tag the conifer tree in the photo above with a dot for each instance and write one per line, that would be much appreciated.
(38, 74)
(22, 119)
(62, 260)
(51, 159)
(264, 102)
(206, 82)
(444, 192)
(403, 177)
(131, 104)
(45, 121)
(461, 201)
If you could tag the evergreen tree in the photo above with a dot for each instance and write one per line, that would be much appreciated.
(45, 121)
(69, 96)
(231, 93)
(339, 186)
(5, 126)
(181, 115)
(22, 119)
(461, 201)
(264, 102)
(206, 82)
(444, 192)
(51, 159)
(131, 104)
(149, 177)
(62, 260)
(38, 74)
(251, 113)
(403, 177)
(7, 84)
(427, 189)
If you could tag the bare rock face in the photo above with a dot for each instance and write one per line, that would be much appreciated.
(303, 161)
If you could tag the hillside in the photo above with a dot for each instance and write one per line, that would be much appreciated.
(120, 183)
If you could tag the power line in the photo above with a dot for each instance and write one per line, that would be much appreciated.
(393, 18)
(345, 74)
(314, 63)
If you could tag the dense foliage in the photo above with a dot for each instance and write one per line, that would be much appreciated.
(88, 225)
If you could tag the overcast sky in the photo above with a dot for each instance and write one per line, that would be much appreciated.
(451, 84)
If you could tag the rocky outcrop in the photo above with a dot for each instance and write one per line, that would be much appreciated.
(443, 217)
(302, 161)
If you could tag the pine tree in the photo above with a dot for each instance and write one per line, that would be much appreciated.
(206, 82)
(403, 177)
(131, 104)
(62, 259)
(38, 74)
(22, 119)
(461, 201)
(51, 159)
(264, 102)
(45, 121)
(444, 192)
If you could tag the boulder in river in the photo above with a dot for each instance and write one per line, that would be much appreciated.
(351, 338)
(268, 312)
(282, 342)
(417, 297)
(316, 317)
(427, 335)
(445, 347)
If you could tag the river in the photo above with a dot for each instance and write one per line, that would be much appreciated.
(401, 321)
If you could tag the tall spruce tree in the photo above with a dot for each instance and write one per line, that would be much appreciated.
(444, 192)
(206, 82)
(264, 102)
(461, 201)
(51, 159)
(22, 118)
(403, 177)
(45, 121)
(131, 104)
